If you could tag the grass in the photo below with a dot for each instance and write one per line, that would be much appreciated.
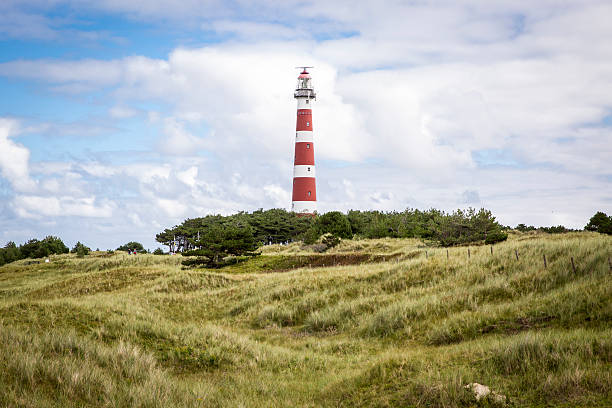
(371, 323)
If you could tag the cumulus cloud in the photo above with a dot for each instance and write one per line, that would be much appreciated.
(178, 141)
(14, 158)
(30, 206)
(503, 104)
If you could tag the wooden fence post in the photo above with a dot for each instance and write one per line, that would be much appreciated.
(544, 261)
(425, 254)
(447, 254)
(468, 253)
(491, 249)
(573, 266)
(516, 253)
(609, 263)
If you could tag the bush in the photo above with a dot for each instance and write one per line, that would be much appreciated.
(336, 223)
(132, 246)
(311, 235)
(80, 249)
(158, 251)
(496, 236)
(600, 222)
(559, 229)
(330, 240)
(40, 249)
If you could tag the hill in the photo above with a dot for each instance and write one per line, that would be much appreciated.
(384, 322)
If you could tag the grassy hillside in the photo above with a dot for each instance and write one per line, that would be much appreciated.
(381, 324)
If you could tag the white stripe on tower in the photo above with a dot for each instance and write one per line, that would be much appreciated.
(304, 183)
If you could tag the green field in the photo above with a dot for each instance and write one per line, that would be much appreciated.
(369, 323)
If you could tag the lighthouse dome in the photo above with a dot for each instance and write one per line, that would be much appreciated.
(304, 86)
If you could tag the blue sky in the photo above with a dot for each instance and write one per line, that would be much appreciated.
(119, 119)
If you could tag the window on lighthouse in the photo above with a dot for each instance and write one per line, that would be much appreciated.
(307, 123)
(309, 194)
(308, 145)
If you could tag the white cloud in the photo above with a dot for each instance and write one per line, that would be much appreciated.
(251, 31)
(14, 158)
(177, 141)
(189, 176)
(86, 73)
(30, 206)
(279, 196)
(407, 104)
(173, 208)
(122, 112)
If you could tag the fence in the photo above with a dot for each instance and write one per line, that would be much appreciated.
(516, 254)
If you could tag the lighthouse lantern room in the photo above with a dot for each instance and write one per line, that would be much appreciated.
(304, 184)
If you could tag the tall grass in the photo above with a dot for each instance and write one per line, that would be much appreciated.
(118, 330)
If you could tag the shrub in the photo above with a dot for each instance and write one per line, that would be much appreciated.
(496, 236)
(311, 235)
(600, 222)
(330, 240)
(525, 228)
(336, 223)
(158, 251)
(133, 246)
(80, 249)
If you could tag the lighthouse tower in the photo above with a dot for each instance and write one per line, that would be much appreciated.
(304, 185)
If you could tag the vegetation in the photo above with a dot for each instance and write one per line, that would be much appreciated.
(221, 239)
(600, 222)
(267, 227)
(32, 249)
(334, 223)
(132, 247)
(278, 226)
(383, 322)
(558, 229)
(80, 249)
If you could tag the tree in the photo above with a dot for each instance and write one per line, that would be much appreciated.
(336, 223)
(559, 229)
(311, 235)
(54, 245)
(80, 249)
(496, 236)
(33, 249)
(600, 222)
(132, 246)
(222, 239)
(10, 253)
(158, 251)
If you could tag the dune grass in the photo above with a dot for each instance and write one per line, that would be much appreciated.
(399, 327)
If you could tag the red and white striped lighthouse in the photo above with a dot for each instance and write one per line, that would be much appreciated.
(304, 184)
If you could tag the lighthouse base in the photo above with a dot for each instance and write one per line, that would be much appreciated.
(304, 207)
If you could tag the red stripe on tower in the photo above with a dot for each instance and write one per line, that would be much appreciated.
(304, 184)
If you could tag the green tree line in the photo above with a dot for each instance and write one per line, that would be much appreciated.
(280, 226)
(33, 248)
(273, 226)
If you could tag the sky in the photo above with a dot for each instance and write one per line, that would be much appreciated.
(119, 119)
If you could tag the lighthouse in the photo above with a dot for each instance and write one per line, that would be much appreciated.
(304, 185)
